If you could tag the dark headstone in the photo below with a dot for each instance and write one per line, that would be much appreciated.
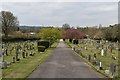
(6, 51)
(113, 68)
(30, 54)
(23, 54)
(94, 63)
(13, 59)
(95, 56)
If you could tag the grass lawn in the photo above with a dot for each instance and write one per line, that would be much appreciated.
(24, 67)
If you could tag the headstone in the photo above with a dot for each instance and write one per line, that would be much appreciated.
(85, 48)
(2, 58)
(26, 53)
(95, 56)
(17, 52)
(72, 48)
(8, 63)
(30, 54)
(4, 65)
(100, 65)
(107, 71)
(113, 57)
(102, 52)
(6, 51)
(88, 57)
(23, 54)
(113, 68)
(13, 59)
(3, 51)
(80, 52)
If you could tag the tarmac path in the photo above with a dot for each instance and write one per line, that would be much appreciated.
(63, 63)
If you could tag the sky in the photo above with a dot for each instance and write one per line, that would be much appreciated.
(59, 13)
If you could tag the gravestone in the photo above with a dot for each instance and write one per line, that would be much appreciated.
(113, 68)
(111, 47)
(26, 53)
(74, 48)
(113, 57)
(102, 52)
(3, 52)
(105, 51)
(80, 52)
(30, 54)
(2, 58)
(6, 51)
(85, 48)
(13, 59)
(9, 63)
(17, 52)
(23, 54)
(77, 50)
(4, 65)
(95, 56)
(100, 65)
(94, 62)
(88, 57)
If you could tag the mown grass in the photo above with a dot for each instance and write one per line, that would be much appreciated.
(24, 67)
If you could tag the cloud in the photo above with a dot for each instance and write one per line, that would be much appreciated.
(58, 13)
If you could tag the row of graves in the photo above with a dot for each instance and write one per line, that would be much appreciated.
(102, 54)
(13, 52)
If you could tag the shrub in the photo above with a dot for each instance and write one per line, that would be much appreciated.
(41, 48)
(44, 43)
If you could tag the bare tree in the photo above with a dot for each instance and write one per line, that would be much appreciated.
(9, 22)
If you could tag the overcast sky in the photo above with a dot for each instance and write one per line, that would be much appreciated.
(58, 13)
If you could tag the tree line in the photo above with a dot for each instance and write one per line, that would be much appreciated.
(10, 25)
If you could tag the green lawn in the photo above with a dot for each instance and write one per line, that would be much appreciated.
(24, 67)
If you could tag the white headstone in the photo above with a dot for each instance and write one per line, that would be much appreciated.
(102, 52)
(100, 64)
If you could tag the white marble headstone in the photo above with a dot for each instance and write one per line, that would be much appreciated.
(102, 52)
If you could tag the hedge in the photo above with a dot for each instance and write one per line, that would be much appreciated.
(44, 43)
(41, 48)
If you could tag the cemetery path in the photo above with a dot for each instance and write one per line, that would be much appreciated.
(64, 64)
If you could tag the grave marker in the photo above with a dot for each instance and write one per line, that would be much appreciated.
(102, 52)
(13, 59)
(113, 69)
(100, 65)
(95, 56)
